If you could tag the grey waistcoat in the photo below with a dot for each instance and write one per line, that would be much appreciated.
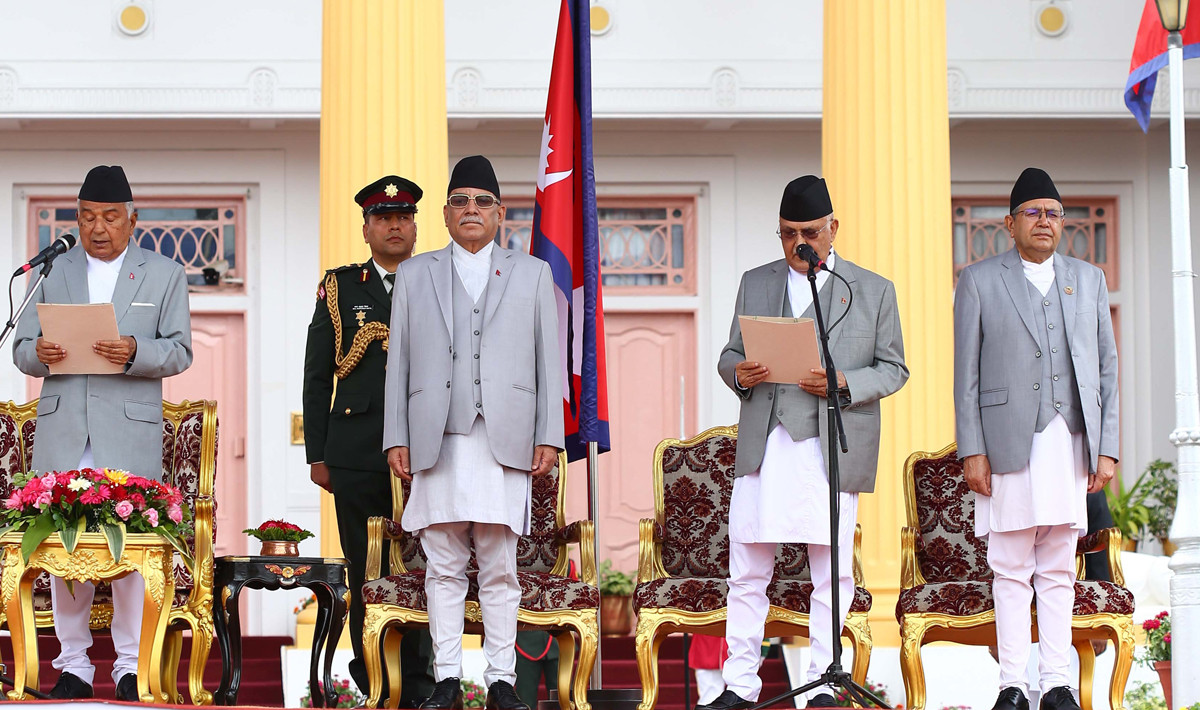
(1059, 393)
(466, 396)
(796, 409)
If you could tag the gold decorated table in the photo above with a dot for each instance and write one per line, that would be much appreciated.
(147, 553)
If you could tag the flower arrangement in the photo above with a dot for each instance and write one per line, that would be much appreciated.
(305, 603)
(1158, 639)
(842, 698)
(109, 501)
(474, 695)
(347, 695)
(278, 530)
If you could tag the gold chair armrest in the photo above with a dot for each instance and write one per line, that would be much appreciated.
(910, 571)
(857, 559)
(378, 530)
(202, 553)
(1113, 537)
(588, 569)
(650, 537)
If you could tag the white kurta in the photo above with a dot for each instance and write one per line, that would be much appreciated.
(1052, 487)
(467, 484)
(787, 499)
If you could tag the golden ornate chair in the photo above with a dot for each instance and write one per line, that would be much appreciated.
(683, 560)
(550, 600)
(190, 463)
(946, 584)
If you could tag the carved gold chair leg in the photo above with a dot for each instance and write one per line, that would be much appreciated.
(1087, 665)
(373, 628)
(392, 638)
(589, 641)
(1122, 636)
(860, 639)
(202, 641)
(169, 671)
(912, 669)
(647, 643)
(566, 661)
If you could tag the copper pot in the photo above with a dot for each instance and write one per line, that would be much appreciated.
(280, 548)
(616, 615)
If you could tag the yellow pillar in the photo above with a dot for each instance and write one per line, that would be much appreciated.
(885, 150)
(383, 110)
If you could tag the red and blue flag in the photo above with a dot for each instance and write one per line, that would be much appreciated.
(1150, 55)
(566, 234)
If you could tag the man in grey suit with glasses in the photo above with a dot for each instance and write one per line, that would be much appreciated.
(1035, 401)
(106, 421)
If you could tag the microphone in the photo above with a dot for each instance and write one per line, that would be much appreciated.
(804, 251)
(59, 247)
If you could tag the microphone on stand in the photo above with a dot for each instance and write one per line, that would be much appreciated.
(59, 247)
(807, 253)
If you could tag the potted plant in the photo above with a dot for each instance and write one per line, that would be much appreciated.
(616, 601)
(347, 695)
(1162, 490)
(1158, 650)
(279, 538)
(474, 694)
(1129, 510)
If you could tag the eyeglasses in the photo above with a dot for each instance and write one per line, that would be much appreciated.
(789, 233)
(1036, 214)
(482, 201)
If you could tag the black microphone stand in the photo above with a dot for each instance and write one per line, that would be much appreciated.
(12, 322)
(834, 675)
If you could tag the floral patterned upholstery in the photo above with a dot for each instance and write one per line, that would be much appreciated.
(697, 487)
(539, 591)
(958, 580)
(181, 467)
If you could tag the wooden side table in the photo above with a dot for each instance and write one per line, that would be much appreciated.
(147, 553)
(325, 577)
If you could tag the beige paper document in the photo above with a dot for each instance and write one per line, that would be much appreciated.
(76, 327)
(786, 346)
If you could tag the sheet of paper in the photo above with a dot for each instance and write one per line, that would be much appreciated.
(786, 346)
(76, 327)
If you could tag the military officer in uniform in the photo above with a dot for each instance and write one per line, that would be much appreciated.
(343, 433)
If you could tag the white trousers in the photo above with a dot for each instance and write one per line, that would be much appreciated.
(448, 549)
(1047, 555)
(71, 617)
(751, 566)
(709, 684)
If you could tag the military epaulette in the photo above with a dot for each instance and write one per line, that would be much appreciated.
(345, 267)
(331, 272)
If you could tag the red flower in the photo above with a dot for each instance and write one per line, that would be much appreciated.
(138, 500)
(1151, 624)
(1163, 614)
(1167, 639)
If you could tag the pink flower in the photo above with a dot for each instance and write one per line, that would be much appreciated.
(91, 497)
(139, 500)
(33, 486)
(1167, 639)
(124, 509)
(14, 501)
(49, 480)
(175, 513)
(152, 515)
(44, 498)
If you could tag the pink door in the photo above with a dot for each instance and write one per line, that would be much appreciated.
(218, 372)
(652, 394)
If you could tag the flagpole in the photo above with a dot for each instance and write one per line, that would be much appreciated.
(1185, 530)
(593, 460)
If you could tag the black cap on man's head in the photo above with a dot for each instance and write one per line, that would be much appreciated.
(805, 199)
(106, 183)
(390, 193)
(1034, 184)
(474, 171)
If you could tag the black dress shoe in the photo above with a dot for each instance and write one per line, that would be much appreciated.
(127, 688)
(728, 700)
(1011, 699)
(446, 695)
(824, 700)
(502, 696)
(1059, 698)
(69, 687)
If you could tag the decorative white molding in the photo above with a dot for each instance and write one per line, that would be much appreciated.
(465, 83)
(725, 88)
(263, 83)
(8, 87)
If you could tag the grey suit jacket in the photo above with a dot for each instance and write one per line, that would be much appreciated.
(995, 365)
(121, 414)
(867, 347)
(519, 358)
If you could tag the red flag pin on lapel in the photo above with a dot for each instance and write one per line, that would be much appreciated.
(130, 274)
(843, 300)
(497, 272)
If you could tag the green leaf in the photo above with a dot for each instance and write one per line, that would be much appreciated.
(181, 548)
(70, 535)
(35, 535)
(4, 529)
(115, 535)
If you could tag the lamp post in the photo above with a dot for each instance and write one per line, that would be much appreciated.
(1185, 530)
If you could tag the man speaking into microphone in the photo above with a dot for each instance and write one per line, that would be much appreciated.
(781, 492)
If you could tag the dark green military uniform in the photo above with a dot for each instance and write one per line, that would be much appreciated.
(353, 305)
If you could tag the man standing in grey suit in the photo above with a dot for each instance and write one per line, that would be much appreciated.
(781, 494)
(106, 421)
(1035, 401)
(472, 408)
